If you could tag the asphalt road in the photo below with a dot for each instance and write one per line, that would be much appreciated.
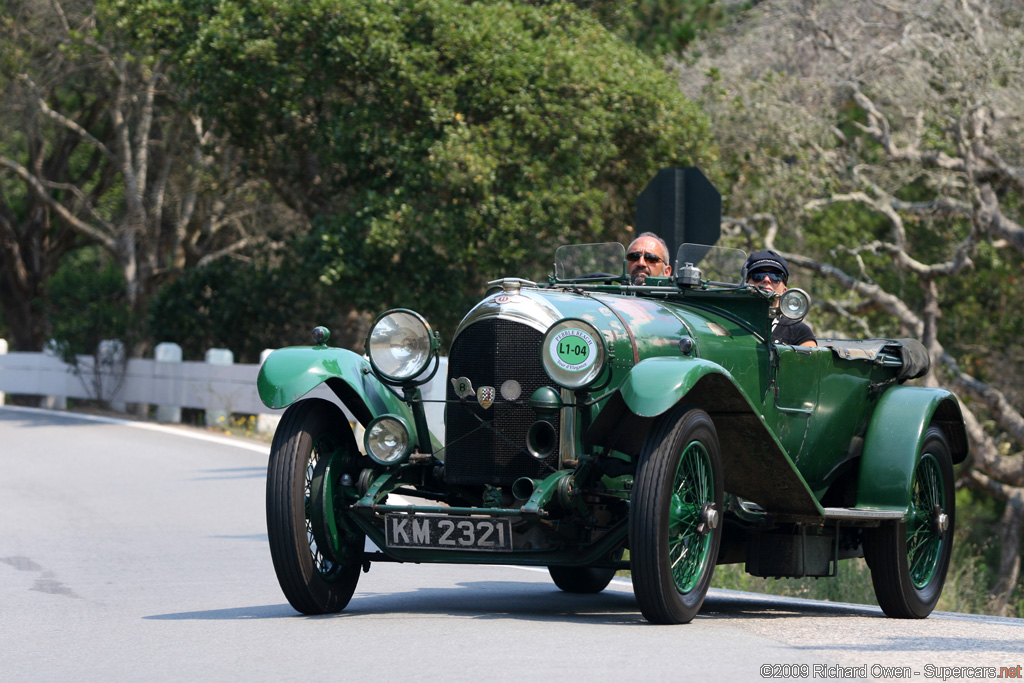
(139, 553)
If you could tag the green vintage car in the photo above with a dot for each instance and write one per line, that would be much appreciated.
(586, 418)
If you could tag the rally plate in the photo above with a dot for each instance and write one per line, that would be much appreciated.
(443, 532)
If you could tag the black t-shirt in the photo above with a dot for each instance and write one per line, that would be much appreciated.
(791, 332)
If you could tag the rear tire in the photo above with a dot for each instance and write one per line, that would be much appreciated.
(909, 560)
(314, 579)
(675, 525)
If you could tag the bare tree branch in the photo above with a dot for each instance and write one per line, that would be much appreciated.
(65, 121)
(72, 220)
(230, 249)
(1006, 415)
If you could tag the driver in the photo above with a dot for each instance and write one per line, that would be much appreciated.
(647, 256)
(769, 270)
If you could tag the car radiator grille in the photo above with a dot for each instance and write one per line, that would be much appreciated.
(489, 353)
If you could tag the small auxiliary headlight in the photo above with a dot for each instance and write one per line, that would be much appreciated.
(400, 344)
(573, 353)
(387, 440)
(795, 304)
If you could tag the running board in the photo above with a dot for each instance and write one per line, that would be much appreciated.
(859, 513)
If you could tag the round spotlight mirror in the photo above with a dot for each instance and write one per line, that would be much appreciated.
(400, 344)
(795, 304)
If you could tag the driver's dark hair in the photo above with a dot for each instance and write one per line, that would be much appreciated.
(664, 246)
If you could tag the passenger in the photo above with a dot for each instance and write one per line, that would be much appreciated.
(770, 271)
(648, 257)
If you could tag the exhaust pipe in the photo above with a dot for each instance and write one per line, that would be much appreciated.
(523, 487)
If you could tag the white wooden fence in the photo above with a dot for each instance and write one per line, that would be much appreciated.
(217, 385)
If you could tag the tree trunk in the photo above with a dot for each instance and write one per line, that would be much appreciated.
(1009, 560)
(25, 266)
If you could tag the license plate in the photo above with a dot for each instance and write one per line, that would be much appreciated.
(447, 533)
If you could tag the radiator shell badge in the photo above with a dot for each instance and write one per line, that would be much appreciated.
(485, 397)
(463, 387)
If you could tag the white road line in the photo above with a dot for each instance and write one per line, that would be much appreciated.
(179, 431)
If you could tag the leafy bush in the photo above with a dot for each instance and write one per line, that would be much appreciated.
(88, 303)
(248, 307)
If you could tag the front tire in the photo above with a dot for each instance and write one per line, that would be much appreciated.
(674, 526)
(314, 579)
(909, 559)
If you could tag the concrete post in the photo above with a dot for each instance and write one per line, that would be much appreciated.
(3, 350)
(218, 416)
(168, 352)
(53, 402)
(112, 366)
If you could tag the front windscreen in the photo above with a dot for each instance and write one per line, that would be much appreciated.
(590, 261)
(717, 264)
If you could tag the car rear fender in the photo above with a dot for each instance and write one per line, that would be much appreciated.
(894, 438)
(755, 464)
(290, 373)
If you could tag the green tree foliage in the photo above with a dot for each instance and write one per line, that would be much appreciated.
(246, 307)
(435, 144)
(87, 303)
(669, 26)
(659, 27)
(42, 160)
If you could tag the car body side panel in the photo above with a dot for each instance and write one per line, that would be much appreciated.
(823, 406)
(755, 463)
(893, 443)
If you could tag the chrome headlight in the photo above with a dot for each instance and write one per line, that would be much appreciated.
(795, 303)
(388, 440)
(400, 344)
(573, 353)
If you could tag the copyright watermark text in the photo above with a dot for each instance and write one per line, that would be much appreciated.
(880, 671)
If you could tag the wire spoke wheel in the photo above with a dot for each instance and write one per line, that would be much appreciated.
(909, 559)
(688, 547)
(924, 541)
(315, 576)
(674, 527)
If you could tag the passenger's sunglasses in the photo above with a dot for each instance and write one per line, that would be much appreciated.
(773, 275)
(634, 256)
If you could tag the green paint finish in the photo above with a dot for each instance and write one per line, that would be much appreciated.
(892, 444)
(657, 384)
(290, 373)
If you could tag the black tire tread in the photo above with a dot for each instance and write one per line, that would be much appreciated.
(652, 584)
(582, 580)
(304, 588)
(885, 552)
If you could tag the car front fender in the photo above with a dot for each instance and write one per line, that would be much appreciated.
(290, 373)
(895, 435)
(657, 384)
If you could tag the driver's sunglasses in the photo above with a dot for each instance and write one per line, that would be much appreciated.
(773, 275)
(634, 256)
